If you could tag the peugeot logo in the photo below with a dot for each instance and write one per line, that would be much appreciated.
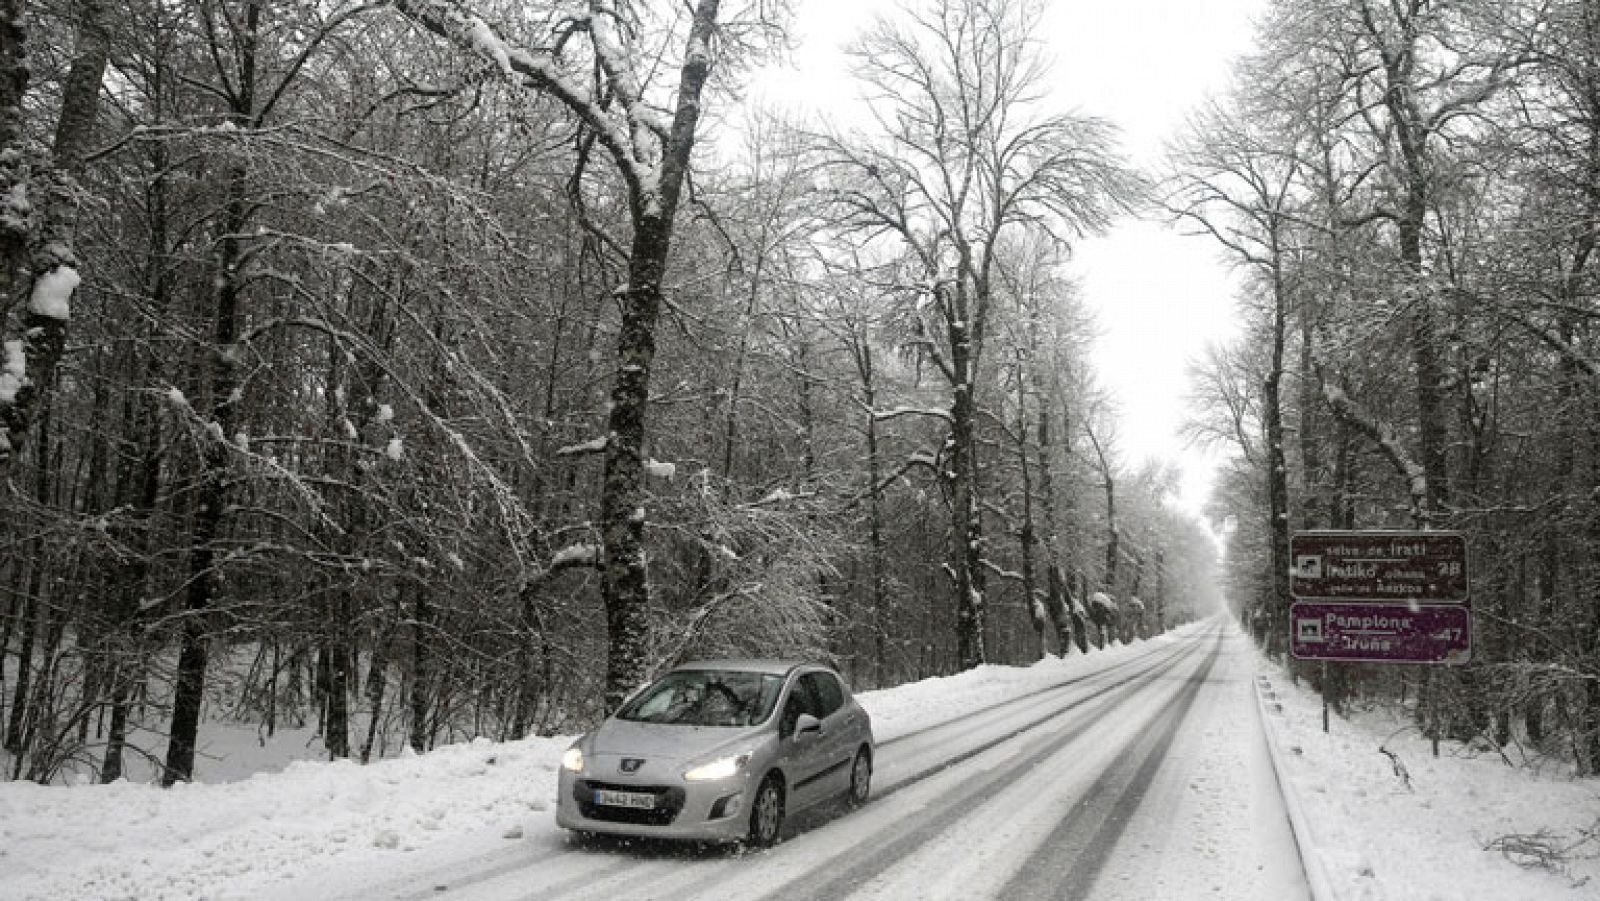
(631, 764)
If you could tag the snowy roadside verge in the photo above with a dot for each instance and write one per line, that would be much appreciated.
(1267, 706)
(242, 839)
(1375, 839)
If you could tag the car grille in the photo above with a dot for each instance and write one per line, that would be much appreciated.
(669, 803)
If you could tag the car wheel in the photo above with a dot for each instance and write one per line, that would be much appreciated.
(766, 814)
(860, 778)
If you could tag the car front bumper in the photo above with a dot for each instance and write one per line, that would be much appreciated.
(702, 811)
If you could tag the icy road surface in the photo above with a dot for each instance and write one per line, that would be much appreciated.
(1149, 779)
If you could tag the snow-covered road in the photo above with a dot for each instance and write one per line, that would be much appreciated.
(1147, 779)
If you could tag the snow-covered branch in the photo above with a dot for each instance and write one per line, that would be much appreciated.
(1383, 435)
(885, 415)
(1007, 574)
(538, 69)
(592, 446)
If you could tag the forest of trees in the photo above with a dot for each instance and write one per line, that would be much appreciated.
(419, 370)
(1412, 189)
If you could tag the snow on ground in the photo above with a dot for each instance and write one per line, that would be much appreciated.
(234, 840)
(251, 838)
(1377, 840)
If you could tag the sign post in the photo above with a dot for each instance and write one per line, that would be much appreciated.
(1380, 597)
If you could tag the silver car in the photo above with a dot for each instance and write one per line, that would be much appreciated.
(719, 750)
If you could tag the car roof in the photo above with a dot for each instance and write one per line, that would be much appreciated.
(774, 667)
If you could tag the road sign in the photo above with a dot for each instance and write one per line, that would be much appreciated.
(1425, 567)
(1381, 633)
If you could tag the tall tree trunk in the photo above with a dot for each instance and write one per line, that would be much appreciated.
(1161, 591)
(967, 524)
(1056, 598)
(421, 671)
(209, 518)
(1277, 477)
(624, 582)
(1102, 618)
(874, 517)
(1028, 536)
(212, 491)
(336, 650)
(28, 629)
(33, 600)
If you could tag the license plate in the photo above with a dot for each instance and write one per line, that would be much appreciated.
(636, 800)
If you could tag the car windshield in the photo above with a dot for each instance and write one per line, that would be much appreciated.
(706, 698)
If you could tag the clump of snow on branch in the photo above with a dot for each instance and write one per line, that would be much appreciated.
(385, 413)
(489, 44)
(176, 398)
(13, 372)
(576, 555)
(592, 446)
(395, 449)
(14, 209)
(52, 293)
(1103, 601)
(777, 496)
(660, 470)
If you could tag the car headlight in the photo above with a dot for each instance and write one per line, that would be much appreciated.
(721, 768)
(573, 759)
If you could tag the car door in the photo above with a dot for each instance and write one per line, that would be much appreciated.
(802, 755)
(833, 744)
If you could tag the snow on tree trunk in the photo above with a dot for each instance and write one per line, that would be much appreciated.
(38, 222)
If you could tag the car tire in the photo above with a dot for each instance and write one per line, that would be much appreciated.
(860, 779)
(766, 813)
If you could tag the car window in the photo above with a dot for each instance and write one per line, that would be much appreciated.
(706, 698)
(802, 699)
(792, 708)
(825, 690)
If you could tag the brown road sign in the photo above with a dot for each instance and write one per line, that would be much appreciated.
(1381, 633)
(1383, 567)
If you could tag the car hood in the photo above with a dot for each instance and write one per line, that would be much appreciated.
(666, 742)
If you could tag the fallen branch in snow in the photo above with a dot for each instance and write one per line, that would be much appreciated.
(1541, 850)
(1399, 768)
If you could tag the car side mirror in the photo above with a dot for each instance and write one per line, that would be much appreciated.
(806, 723)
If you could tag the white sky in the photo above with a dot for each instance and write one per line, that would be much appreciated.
(1160, 297)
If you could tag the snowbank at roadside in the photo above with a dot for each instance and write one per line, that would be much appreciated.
(1378, 840)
